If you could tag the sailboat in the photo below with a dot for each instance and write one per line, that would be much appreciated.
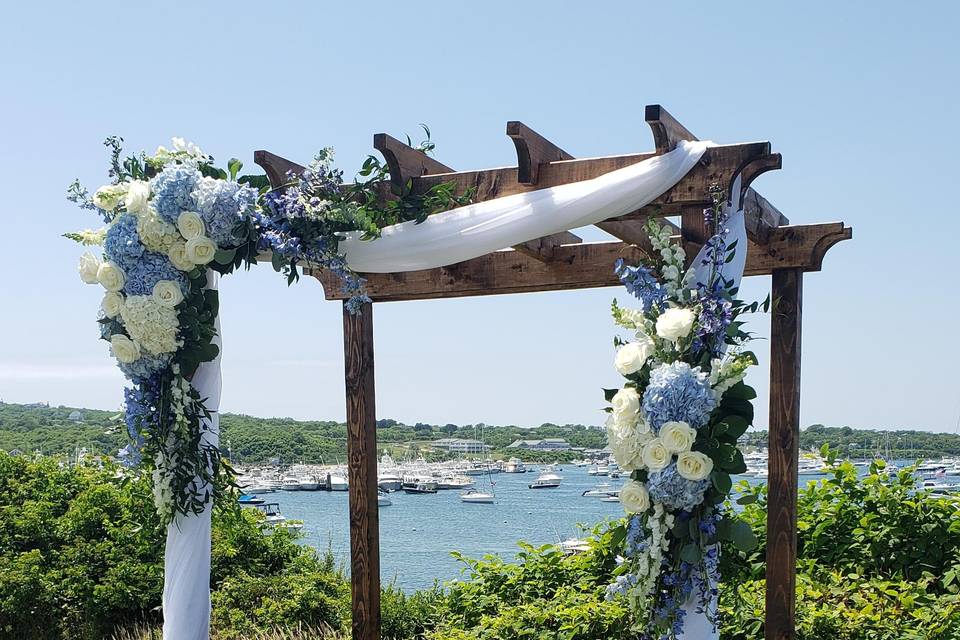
(476, 496)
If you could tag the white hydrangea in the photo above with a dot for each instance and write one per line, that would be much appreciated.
(155, 233)
(152, 325)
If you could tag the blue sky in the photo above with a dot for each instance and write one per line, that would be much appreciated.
(860, 98)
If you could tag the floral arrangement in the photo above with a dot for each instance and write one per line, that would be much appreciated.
(169, 220)
(674, 426)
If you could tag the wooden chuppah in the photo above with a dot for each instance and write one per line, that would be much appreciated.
(563, 261)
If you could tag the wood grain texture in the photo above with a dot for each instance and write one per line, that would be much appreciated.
(694, 231)
(532, 151)
(784, 439)
(577, 266)
(276, 167)
(760, 216)
(404, 161)
(362, 471)
(667, 130)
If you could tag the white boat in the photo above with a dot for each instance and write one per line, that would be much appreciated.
(613, 469)
(515, 465)
(390, 481)
(309, 483)
(546, 480)
(454, 482)
(291, 484)
(273, 517)
(601, 490)
(477, 497)
(383, 500)
(599, 469)
(611, 498)
(574, 545)
(338, 482)
(932, 470)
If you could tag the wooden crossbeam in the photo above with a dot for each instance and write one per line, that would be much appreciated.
(533, 150)
(276, 167)
(404, 161)
(668, 132)
(579, 266)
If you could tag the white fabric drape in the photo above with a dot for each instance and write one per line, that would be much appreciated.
(186, 579)
(697, 626)
(477, 229)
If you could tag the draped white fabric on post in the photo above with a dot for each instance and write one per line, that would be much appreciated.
(696, 626)
(186, 579)
(477, 229)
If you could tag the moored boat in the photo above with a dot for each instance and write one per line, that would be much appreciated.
(546, 480)
(477, 497)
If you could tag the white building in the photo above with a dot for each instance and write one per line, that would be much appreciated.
(547, 444)
(461, 445)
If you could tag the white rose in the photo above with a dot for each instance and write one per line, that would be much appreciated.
(167, 293)
(88, 267)
(677, 436)
(694, 465)
(110, 276)
(675, 323)
(632, 356)
(124, 349)
(626, 406)
(201, 250)
(634, 497)
(190, 225)
(655, 455)
(138, 193)
(178, 256)
(108, 197)
(112, 303)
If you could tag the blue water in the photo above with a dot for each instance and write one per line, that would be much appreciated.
(418, 532)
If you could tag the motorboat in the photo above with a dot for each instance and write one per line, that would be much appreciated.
(454, 482)
(249, 499)
(932, 470)
(546, 480)
(273, 517)
(599, 469)
(514, 465)
(600, 491)
(477, 497)
(337, 482)
(571, 546)
(390, 481)
(419, 487)
(309, 483)
(383, 500)
(290, 484)
(940, 488)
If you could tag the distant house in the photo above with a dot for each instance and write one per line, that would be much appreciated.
(547, 444)
(460, 445)
(75, 416)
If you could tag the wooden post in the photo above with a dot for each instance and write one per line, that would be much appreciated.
(362, 460)
(784, 438)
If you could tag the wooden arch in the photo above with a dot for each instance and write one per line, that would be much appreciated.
(563, 261)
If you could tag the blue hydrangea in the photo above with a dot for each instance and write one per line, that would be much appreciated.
(122, 243)
(150, 269)
(173, 191)
(675, 492)
(222, 204)
(145, 367)
(641, 283)
(677, 392)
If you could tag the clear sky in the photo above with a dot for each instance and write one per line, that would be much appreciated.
(860, 98)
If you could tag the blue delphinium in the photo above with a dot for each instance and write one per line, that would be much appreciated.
(173, 191)
(222, 205)
(141, 404)
(675, 492)
(640, 282)
(716, 313)
(678, 393)
(150, 269)
(122, 242)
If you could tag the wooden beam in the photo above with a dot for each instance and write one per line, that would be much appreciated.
(276, 168)
(532, 151)
(667, 130)
(545, 249)
(579, 266)
(362, 471)
(404, 161)
(784, 439)
(719, 164)
(761, 216)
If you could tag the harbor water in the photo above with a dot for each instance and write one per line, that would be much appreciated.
(418, 532)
